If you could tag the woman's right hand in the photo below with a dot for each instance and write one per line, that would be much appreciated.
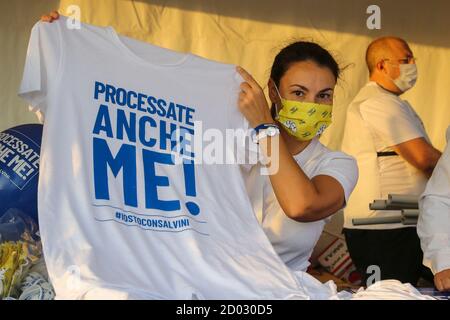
(54, 15)
(252, 103)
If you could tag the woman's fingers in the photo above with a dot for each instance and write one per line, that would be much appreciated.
(252, 102)
(46, 18)
(244, 100)
(54, 14)
(247, 77)
(245, 87)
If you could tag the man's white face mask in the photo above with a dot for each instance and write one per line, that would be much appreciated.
(407, 78)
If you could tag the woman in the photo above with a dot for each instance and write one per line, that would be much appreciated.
(312, 182)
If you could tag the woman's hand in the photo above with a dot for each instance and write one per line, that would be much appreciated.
(54, 15)
(252, 102)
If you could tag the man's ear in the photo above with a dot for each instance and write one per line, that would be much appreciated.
(380, 66)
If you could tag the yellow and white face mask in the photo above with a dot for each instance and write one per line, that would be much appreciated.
(304, 120)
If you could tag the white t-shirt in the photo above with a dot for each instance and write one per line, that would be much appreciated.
(433, 226)
(376, 121)
(118, 218)
(294, 241)
(390, 290)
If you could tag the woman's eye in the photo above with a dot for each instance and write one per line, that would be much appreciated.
(325, 96)
(299, 93)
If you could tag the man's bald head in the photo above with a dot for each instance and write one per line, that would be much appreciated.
(384, 48)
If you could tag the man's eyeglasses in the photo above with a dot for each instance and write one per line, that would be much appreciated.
(405, 60)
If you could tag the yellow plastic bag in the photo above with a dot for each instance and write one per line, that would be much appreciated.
(13, 264)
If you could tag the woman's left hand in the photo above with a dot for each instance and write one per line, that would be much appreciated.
(252, 101)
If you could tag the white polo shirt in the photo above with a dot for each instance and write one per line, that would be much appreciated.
(376, 121)
(433, 226)
(292, 240)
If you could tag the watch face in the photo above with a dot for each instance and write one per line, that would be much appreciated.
(271, 131)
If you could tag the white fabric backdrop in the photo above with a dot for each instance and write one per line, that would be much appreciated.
(250, 33)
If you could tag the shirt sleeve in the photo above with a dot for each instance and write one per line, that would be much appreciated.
(343, 168)
(433, 226)
(42, 64)
(391, 120)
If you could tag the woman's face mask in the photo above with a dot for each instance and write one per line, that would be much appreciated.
(304, 120)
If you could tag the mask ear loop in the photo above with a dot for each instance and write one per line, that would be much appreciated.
(276, 106)
(392, 64)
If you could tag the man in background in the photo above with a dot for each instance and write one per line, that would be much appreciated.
(394, 155)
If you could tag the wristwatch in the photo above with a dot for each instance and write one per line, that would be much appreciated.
(265, 130)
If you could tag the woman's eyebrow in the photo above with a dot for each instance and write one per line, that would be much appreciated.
(324, 90)
(300, 86)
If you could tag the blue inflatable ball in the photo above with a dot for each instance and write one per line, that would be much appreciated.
(19, 169)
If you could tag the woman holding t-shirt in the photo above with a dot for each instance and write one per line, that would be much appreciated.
(311, 182)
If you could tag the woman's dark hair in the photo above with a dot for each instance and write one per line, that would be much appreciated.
(301, 51)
